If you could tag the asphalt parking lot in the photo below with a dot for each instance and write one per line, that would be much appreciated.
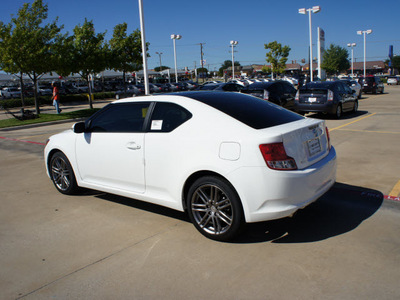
(99, 246)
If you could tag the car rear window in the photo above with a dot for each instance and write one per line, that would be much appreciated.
(247, 109)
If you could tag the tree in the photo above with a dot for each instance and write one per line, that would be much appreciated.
(277, 56)
(125, 50)
(88, 53)
(227, 64)
(335, 60)
(396, 62)
(27, 46)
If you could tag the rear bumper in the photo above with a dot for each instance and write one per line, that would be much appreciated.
(268, 195)
(329, 107)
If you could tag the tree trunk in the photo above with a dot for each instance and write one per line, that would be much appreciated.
(22, 91)
(35, 80)
(90, 93)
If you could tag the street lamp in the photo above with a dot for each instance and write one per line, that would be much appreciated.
(233, 44)
(175, 37)
(159, 54)
(144, 51)
(352, 45)
(304, 11)
(365, 32)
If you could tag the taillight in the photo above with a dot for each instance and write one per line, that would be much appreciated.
(266, 95)
(276, 158)
(328, 137)
(330, 95)
(297, 98)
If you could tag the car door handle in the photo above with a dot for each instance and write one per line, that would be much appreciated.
(133, 146)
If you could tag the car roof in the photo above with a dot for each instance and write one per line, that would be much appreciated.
(247, 109)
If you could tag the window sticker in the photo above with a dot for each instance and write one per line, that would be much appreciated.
(144, 112)
(156, 124)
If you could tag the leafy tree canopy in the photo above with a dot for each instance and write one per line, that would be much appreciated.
(335, 60)
(277, 56)
(227, 64)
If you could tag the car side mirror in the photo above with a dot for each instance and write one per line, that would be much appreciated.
(79, 127)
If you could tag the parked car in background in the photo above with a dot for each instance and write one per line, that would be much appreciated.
(10, 92)
(393, 80)
(131, 91)
(291, 80)
(44, 90)
(225, 87)
(332, 97)
(223, 167)
(371, 84)
(155, 89)
(279, 92)
(354, 85)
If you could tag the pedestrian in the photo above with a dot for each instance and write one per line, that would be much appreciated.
(56, 97)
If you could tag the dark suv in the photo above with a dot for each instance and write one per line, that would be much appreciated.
(371, 84)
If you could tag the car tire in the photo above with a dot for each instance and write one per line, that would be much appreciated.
(382, 91)
(215, 208)
(355, 109)
(339, 111)
(62, 174)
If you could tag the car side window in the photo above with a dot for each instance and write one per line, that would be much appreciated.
(120, 117)
(167, 117)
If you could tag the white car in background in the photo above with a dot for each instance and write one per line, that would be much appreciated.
(354, 85)
(292, 80)
(10, 92)
(224, 158)
(393, 80)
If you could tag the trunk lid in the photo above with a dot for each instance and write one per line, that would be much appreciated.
(306, 141)
(313, 96)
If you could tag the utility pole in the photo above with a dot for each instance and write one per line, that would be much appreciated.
(201, 55)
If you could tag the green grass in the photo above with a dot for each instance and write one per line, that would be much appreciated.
(84, 113)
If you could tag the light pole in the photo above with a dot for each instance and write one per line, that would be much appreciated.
(175, 37)
(365, 32)
(144, 51)
(233, 44)
(304, 11)
(159, 54)
(352, 45)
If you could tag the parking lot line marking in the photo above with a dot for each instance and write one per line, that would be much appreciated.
(370, 131)
(23, 141)
(352, 122)
(395, 192)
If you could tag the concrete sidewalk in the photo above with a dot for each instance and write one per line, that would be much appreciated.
(48, 109)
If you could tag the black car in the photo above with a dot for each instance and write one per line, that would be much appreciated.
(333, 97)
(279, 92)
(371, 84)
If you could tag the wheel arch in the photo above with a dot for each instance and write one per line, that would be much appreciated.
(192, 178)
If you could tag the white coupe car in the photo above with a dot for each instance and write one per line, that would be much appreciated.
(224, 158)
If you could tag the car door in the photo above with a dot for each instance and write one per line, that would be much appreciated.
(110, 154)
(348, 97)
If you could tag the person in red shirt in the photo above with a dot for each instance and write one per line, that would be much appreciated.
(56, 97)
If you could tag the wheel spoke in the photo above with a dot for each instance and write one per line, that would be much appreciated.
(206, 219)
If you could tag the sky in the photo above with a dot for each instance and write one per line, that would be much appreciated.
(215, 23)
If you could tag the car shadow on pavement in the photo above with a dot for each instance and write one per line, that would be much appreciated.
(149, 207)
(345, 116)
(339, 211)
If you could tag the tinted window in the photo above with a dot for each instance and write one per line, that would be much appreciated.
(249, 110)
(168, 116)
(121, 117)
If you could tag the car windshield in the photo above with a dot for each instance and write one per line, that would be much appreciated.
(247, 109)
